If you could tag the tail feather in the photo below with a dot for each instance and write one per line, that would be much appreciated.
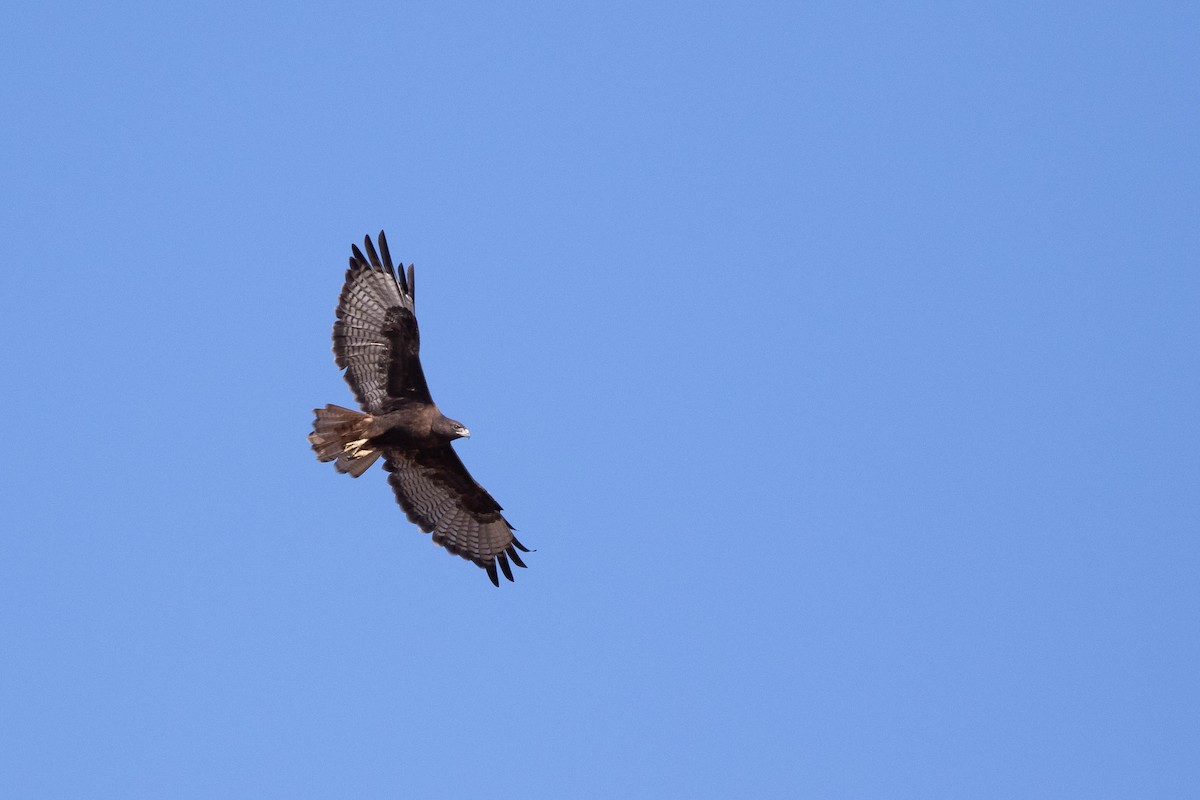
(339, 434)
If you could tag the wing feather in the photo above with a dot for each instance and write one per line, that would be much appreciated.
(440, 497)
(375, 338)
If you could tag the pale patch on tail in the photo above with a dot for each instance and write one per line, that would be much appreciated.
(339, 433)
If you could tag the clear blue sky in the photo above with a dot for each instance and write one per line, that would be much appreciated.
(839, 360)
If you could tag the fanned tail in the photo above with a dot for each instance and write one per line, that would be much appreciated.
(340, 433)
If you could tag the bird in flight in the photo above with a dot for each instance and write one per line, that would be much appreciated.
(376, 342)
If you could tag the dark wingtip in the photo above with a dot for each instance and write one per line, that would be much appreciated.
(504, 567)
(388, 264)
(369, 246)
(397, 274)
(358, 259)
(520, 546)
(491, 571)
(512, 555)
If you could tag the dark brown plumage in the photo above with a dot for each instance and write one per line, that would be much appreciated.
(376, 342)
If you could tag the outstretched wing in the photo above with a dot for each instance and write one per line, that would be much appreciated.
(440, 497)
(375, 338)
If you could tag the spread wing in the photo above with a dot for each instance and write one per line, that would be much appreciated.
(375, 338)
(440, 497)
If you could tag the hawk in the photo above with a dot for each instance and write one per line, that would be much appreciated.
(376, 342)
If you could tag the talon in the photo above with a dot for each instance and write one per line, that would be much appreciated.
(355, 449)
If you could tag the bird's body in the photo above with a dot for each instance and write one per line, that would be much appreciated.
(377, 342)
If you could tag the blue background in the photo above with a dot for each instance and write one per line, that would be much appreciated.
(840, 361)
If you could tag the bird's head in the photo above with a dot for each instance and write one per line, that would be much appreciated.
(451, 429)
